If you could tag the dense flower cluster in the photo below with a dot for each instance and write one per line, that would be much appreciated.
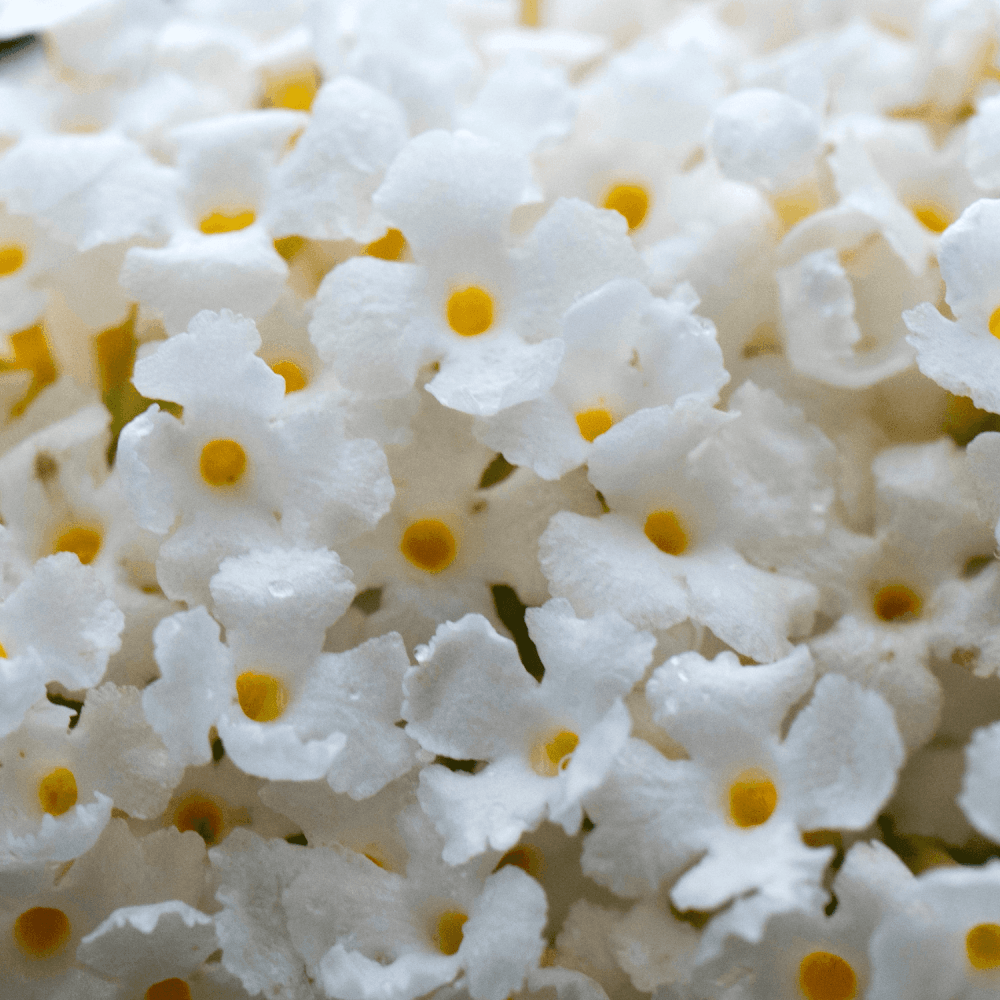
(499, 499)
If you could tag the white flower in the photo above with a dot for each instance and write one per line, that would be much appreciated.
(547, 744)
(484, 309)
(235, 472)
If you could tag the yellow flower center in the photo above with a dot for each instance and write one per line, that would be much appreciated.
(982, 945)
(932, 216)
(429, 545)
(796, 204)
(223, 462)
(169, 989)
(226, 222)
(593, 423)
(470, 311)
(448, 932)
(57, 791)
(288, 247)
(83, 542)
(895, 602)
(825, 976)
(201, 815)
(388, 247)
(42, 931)
(295, 90)
(530, 14)
(664, 529)
(552, 756)
(752, 798)
(292, 374)
(3, 652)
(526, 857)
(262, 697)
(31, 353)
(995, 322)
(11, 259)
(630, 201)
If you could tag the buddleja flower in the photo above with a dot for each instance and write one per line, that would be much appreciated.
(481, 307)
(546, 744)
(236, 470)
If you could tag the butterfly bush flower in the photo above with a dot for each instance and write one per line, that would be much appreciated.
(546, 743)
(679, 518)
(371, 932)
(486, 311)
(733, 813)
(233, 471)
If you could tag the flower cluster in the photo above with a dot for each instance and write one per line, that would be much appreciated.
(499, 499)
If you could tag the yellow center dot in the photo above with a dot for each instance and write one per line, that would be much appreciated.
(169, 989)
(825, 976)
(292, 374)
(42, 931)
(529, 859)
(3, 652)
(796, 204)
(201, 815)
(389, 247)
(630, 201)
(897, 602)
(289, 246)
(11, 259)
(226, 222)
(932, 216)
(262, 697)
(223, 462)
(57, 791)
(995, 322)
(448, 932)
(470, 311)
(752, 798)
(593, 423)
(553, 756)
(84, 543)
(429, 545)
(982, 945)
(664, 529)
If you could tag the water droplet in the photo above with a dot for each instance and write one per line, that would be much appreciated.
(280, 588)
